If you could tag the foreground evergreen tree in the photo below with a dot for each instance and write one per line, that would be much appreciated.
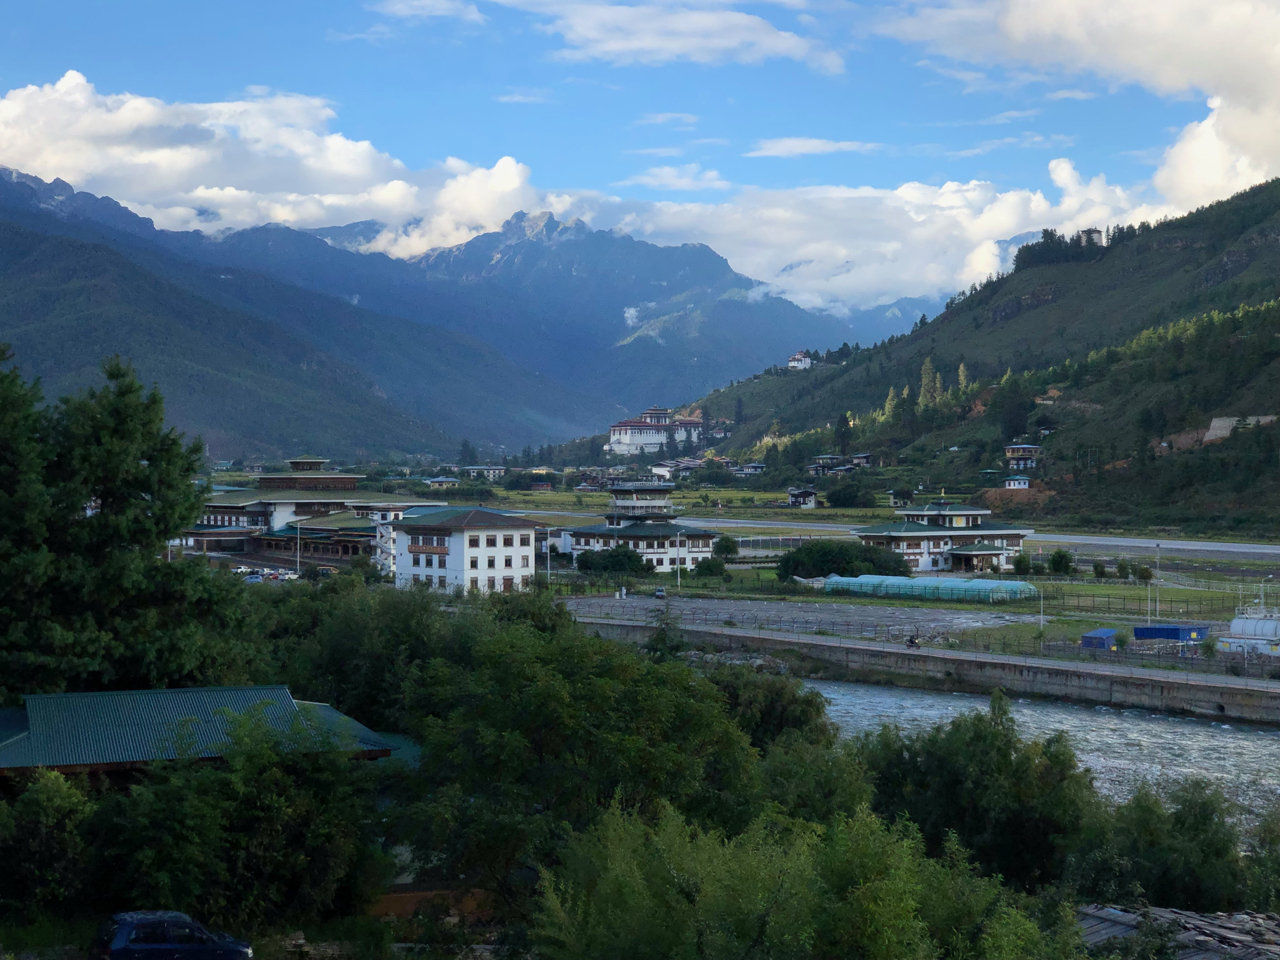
(92, 489)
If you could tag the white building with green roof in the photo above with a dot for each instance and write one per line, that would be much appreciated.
(459, 548)
(642, 517)
(943, 536)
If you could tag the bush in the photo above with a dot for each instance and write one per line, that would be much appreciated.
(620, 560)
(818, 558)
(1060, 562)
(709, 567)
(1122, 569)
(1039, 569)
(1022, 565)
(1144, 574)
(1099, 570)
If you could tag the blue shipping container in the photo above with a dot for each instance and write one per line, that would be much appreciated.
(1171, 631)
(1103, 638)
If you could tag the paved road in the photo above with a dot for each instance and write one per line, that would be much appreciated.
(849, 618)
(1108, 546)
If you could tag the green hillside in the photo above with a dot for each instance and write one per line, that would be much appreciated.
(244, 384)
(1063, 301)
(1123, 433)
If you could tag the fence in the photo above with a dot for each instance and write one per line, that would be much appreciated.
(1212, 607)
(833, 629)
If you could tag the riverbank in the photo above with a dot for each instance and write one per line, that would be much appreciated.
(869, 661)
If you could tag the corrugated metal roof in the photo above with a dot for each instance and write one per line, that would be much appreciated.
(1196, 936)
(68, 730)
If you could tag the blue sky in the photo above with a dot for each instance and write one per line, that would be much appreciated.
(645, 116)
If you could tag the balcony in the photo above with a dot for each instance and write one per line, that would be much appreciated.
(422, 548)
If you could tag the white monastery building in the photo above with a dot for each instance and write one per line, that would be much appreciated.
(459, 548)
(800, 361)
(642, 517)
(944, 535)
(649, 432)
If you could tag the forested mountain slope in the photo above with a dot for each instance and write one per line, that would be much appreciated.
(1063, 301)
(244, 385)
(626, 321)
(460, 385)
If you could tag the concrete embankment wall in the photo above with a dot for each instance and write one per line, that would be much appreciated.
(1224, 698)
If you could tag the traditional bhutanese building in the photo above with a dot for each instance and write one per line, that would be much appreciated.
(459, 548)
(642, 517)
(307, 513)
(1022, 456)
(943, 535)
(649, 432)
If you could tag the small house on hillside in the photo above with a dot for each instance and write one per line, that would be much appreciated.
(803, 498)
(1022, 456)
(799, 361)
(1017, 482)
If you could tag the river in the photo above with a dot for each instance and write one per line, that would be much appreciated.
(1121, 747)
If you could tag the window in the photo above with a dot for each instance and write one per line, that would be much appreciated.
(417, 560)
(524, 539)
(658, 562)
(413, 541)
(426, 561)
(508, 540)
(506, 562)
(442, 541)
(443, 582)
(475, 563)
(493, 583)
(417, 578)
(684, 561)
(473, 541)
(491, 541)
(187, 933)
(524, 582)
(147, 933)
(383, 516)
(493, 562)
(524, 560)
(440, 561)
(475, 583)
(508, 584)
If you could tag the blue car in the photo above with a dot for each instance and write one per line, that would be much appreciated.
(253, 578)
(163, 935)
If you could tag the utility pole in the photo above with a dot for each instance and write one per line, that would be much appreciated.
(297, 565)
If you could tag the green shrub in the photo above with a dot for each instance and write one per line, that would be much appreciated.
(818, 558)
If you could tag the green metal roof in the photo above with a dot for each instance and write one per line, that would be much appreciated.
(85, 730)
(347, 520)
(461, 517)
(977, 549)
(906, 526)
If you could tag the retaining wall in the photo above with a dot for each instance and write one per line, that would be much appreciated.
(1226, 698)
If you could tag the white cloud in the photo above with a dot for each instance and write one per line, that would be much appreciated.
(688, 119)
(659, 151)
(525, 96)
(802, 146)
(425, 9)
(833, 247)
(1070, 95)
(273, 157)
(647, 33)
(688, 177)
(1227, 50)
(1033, 140)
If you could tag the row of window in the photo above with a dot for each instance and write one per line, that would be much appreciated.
(421, 541)
(492, 562)
(643, 544)
(425, 561)
(508, 540)
(508, 583)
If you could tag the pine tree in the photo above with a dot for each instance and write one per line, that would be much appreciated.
(843, 433)
(927, 396)
(890, 404)
(467, 455)
(964, 378)
(938, 390)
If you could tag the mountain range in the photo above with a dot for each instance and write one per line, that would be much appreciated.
(538, 332)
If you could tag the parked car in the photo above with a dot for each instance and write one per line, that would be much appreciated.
(163, 935)
(288, 575)
(241, 570)
(253, 578)
(660, 593)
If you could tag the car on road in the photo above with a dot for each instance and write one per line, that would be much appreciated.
(241, 570)
(163, 935)
(288, 575)
(660, 593)
(253, 578)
